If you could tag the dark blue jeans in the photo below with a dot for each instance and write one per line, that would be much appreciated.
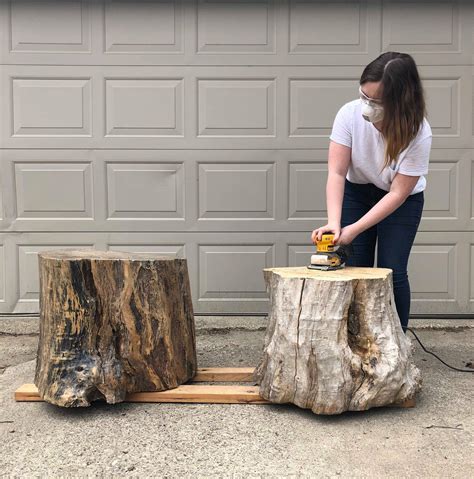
(395, 235)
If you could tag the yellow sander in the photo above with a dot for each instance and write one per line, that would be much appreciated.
(328, 255)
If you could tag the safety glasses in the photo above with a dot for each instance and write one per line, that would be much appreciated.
(370, 101)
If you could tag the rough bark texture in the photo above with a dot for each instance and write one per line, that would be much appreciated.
(112, 323)
(334, 341)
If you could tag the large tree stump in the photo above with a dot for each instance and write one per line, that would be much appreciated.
(334, 341)
(112, 323)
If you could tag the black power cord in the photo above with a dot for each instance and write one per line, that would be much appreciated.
(437, 357)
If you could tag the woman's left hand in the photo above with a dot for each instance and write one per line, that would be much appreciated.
(348, 233)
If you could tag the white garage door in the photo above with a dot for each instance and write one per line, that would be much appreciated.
(200, 128)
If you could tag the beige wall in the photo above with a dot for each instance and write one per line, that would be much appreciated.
(201, 129)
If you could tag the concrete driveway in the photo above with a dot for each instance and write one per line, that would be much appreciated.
(229, 440)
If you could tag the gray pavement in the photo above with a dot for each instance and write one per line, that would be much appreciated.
(230, 440)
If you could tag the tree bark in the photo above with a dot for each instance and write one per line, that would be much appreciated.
(112, 323)
(334, 341)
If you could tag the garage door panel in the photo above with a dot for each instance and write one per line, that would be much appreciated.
(236, 107)
(448, 186)
(434, 32)
(255, 33)
(206, 107)
(144, 27)
(28, 268)
(434, 27)
(439, 272)
(314, 104)
(51, 107)
(144, 107)
(200, 190)
(145, 190)
(321, 27)
(299, 254)
(200, 130)
(19, 257)
(432, 270)
(236, 27)
(230, 272)
(55, 27)
(448, 111)
(54, 190)
(47, 190)
(443, 103)
(236, 190)
(441, 197)
(149, 32)
(307, 190)
(23, 285)
(226, 268)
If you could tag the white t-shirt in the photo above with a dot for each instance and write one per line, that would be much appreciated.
(367, 156)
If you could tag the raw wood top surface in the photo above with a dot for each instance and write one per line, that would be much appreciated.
(77, 254)
(347, 273)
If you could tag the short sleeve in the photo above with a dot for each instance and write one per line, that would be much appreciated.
(415, 162)
(342, 127)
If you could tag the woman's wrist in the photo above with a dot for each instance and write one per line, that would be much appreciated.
(357, 227)
(385, 206)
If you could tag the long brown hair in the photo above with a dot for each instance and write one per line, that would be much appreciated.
(402, 99)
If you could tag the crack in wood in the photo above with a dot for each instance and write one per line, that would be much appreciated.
(361, 343)
(300, 307)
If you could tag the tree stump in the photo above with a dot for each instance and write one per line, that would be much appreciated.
(334, 341)
(112, 323)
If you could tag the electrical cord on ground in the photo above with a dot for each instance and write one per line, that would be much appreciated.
(437, 357)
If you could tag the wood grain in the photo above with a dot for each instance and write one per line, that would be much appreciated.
(112, 323)
(186, 393)
(334, 341)
(224, 374)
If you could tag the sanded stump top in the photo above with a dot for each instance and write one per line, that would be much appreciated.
(347, 273)
(94, 254)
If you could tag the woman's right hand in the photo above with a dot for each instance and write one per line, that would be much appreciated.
(328, 228)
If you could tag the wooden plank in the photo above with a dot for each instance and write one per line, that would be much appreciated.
(405, 404)
(27, 392)
(197, 393)
(223, 374)
(203, 393)
(186, 393)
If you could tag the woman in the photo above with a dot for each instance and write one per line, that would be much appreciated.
(378, 156)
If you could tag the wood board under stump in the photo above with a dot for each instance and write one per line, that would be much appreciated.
(195, 393)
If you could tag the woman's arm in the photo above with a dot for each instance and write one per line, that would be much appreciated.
(339, 157)
(402, 186)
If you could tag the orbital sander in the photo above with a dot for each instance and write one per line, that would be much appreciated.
(328, 255)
